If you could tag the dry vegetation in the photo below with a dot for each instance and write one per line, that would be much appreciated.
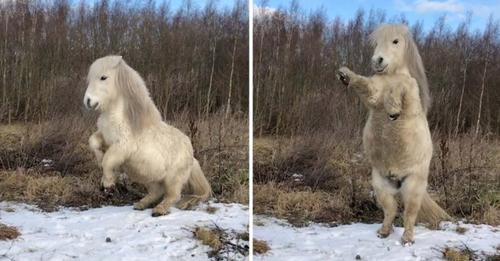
(260, 246)
(72, 178)
(222, 244)
(464, 253)
(8, 233)
(309, 164)
(194, 61)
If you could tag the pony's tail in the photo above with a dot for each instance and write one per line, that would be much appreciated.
(198, 188)
(430, 212)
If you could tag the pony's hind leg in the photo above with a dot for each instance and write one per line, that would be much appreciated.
(385, 198)
(173, 189)
(412, 192)
(155, 192)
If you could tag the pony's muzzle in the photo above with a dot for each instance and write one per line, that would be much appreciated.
(89, 105)
(378, 64)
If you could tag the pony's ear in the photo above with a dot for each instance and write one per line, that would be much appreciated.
(117, 60)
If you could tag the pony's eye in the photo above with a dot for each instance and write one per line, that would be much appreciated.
(396, 41)
(104, 77)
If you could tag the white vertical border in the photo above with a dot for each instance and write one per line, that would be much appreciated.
(250, 127)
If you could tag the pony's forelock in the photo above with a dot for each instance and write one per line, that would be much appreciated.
(386, 33)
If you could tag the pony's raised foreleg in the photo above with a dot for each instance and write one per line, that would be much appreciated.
(112, 159)
(385, 198)
(412, 191)
(96, 143)
(361, 84)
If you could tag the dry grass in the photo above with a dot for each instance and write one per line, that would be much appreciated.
(260, 246)
(451, 254)
(224, 244)
(8, 232)
(325, 178)
(298, 206)
(209, 237)
(72, 178)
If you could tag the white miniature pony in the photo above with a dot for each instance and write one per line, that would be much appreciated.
(396, 137)
(132, 138)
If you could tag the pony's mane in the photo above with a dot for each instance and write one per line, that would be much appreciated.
(140, 110)
(386, 33)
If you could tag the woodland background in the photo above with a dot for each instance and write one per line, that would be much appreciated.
(194, 61)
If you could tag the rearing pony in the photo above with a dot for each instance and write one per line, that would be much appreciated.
(131, 137)
(396, 138)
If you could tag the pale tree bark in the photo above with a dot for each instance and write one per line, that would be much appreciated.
(483, 85)
(461, 97)
(228, 108)
(211, 77)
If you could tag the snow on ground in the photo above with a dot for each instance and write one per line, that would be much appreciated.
(345, 242)
(70, 234)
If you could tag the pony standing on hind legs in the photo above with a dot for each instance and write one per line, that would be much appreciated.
(132, 138)
(396, 137)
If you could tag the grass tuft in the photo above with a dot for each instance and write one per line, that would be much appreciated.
(260, 246)
(210, 237)
(8, 232)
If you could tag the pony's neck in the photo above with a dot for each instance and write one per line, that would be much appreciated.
(115, 112)
(402, 70)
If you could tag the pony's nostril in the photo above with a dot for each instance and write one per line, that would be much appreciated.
(88, 103)
(380, 60)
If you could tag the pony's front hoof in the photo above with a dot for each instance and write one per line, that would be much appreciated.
(159, 212)
(139, 206)
(343, 78)
(394, 116)
(383, 232)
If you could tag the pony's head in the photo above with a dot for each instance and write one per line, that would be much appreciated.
(114, 84)
(396, 51)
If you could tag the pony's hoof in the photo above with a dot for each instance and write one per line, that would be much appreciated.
(407, 243)
(407, 239)
(158, 214)
(343, 78)
(139, 206)
(393, 117)
(342, 75)
(383, 233)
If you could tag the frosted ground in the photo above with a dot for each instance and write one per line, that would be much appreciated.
(112, 233)
(359, 241)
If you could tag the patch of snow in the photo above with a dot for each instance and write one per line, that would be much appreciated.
(346, 242)
(297, 177)
(115, 233)
(47, 163)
